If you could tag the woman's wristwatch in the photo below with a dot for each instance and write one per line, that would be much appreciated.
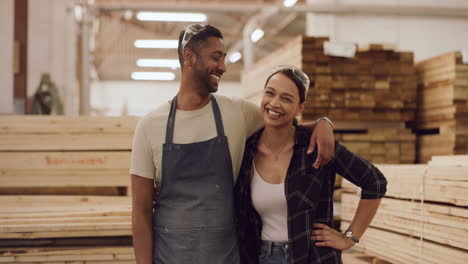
(349, 234)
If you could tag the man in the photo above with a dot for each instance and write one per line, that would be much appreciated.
(193, 149)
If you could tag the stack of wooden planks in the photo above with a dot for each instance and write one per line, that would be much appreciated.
(354, 257)
(442, 116)
(378, 84)
(75, 255)
(64, 186)
(368, 97)
(422, 218)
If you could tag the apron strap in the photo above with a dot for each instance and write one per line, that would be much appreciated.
(171, 119)
(217, 116)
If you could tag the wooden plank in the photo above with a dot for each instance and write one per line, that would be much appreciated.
(406, 217)
(65, 160)
(388, 246)
(32, 217)
(59, 142)
(123, 254)
(37, 124)
(405, 181)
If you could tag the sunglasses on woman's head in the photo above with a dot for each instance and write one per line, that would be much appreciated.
(296, 71)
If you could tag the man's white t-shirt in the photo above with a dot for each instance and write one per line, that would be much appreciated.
(240, 120)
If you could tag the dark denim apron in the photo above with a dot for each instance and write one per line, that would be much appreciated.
(194, 216)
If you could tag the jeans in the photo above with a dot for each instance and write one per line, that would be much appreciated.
(274, 252)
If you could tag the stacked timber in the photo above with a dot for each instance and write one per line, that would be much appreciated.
(442, 116)
(423, 216)
(64, 189)
(378, 84)
(369, 97)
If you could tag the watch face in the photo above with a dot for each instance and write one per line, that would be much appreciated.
(349, 234)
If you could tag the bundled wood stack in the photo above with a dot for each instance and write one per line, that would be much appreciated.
(442, 116)
(378, 84)
(423, 216)
(64, 186)
(75, 255)
(368, 97)
(354, 257)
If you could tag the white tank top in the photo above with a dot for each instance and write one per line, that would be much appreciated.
(270, 202)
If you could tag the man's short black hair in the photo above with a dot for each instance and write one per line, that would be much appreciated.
(197, 41)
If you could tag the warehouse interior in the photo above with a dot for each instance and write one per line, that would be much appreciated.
(392, 75)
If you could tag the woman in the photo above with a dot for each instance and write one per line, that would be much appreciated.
(285, 205)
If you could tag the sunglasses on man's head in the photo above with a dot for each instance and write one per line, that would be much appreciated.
(191, 31)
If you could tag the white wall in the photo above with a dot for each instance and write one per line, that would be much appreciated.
(141, 97)
(425, 36)
(7, 11)
(52, 48)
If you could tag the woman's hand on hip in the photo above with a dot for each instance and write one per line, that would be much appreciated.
(326, 236)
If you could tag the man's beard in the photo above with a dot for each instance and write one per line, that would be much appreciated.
(204, 79)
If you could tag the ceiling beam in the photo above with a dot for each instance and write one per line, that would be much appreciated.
(360, 9)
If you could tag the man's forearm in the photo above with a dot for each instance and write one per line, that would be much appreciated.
(143, 238)
(365, 212)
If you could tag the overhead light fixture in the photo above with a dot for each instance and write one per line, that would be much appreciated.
(128, 14)
(257, 35)
(78, 11)
(153, 76)
(174, 64)
(235, 57)
(289, 3)
(173, 17)
(156, 44)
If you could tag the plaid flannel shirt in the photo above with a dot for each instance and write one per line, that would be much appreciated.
(309, 196)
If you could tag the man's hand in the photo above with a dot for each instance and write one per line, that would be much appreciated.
(329, 237)
(322, 137)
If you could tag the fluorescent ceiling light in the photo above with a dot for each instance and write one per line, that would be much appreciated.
(257, 35)
(289, 3)
(174, 64)
(174, 17)
(235, 57)
(156, 44)
(153, 76)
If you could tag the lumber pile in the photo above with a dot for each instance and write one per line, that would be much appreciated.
(354, 257)
(46, 216)
(442, 115)
(64, 189)
(368, 97)
(378, 84)
(76, 255)
(423, 216)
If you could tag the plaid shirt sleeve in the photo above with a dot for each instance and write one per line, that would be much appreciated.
(360, 172)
